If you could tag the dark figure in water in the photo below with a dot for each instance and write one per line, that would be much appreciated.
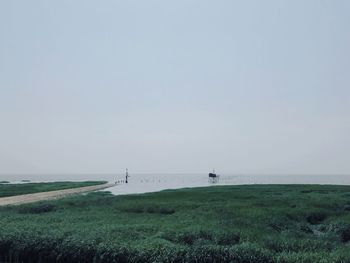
(126, 176)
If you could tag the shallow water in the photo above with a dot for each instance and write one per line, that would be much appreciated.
(143, 183)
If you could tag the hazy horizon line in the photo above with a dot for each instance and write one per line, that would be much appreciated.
(170, 173)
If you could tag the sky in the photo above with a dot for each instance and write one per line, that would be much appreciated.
(259, 87)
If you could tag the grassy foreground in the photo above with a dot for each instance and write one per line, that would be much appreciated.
(253, 223)
(30, 188)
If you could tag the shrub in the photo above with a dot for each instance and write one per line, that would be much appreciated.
(151, 209)
(287, 244)
(347, 207)
(188, 237)
(279, 223)
(37, 208)
(249, 253)
(306, 257)
(166, 211)
(316, 217)
(305, 229)
(343, 230)
(227, 238)
(345, 234)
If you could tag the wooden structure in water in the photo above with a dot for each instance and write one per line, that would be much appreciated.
(126, 178)
(213, 177)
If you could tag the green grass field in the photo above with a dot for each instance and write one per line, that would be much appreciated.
(252, 223)
(30, 188)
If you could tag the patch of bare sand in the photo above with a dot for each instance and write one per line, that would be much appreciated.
(51, 195)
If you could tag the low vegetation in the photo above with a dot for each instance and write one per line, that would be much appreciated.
(252, 223)
(29, 188)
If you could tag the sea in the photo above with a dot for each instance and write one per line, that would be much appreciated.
(153, 182)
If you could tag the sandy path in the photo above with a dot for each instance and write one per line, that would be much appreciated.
(51, 195)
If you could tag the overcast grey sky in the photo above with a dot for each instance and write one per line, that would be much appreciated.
(175, 86)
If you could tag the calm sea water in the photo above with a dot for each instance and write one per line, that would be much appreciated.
(143, 183)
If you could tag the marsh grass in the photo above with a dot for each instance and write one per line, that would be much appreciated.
(252, 223)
